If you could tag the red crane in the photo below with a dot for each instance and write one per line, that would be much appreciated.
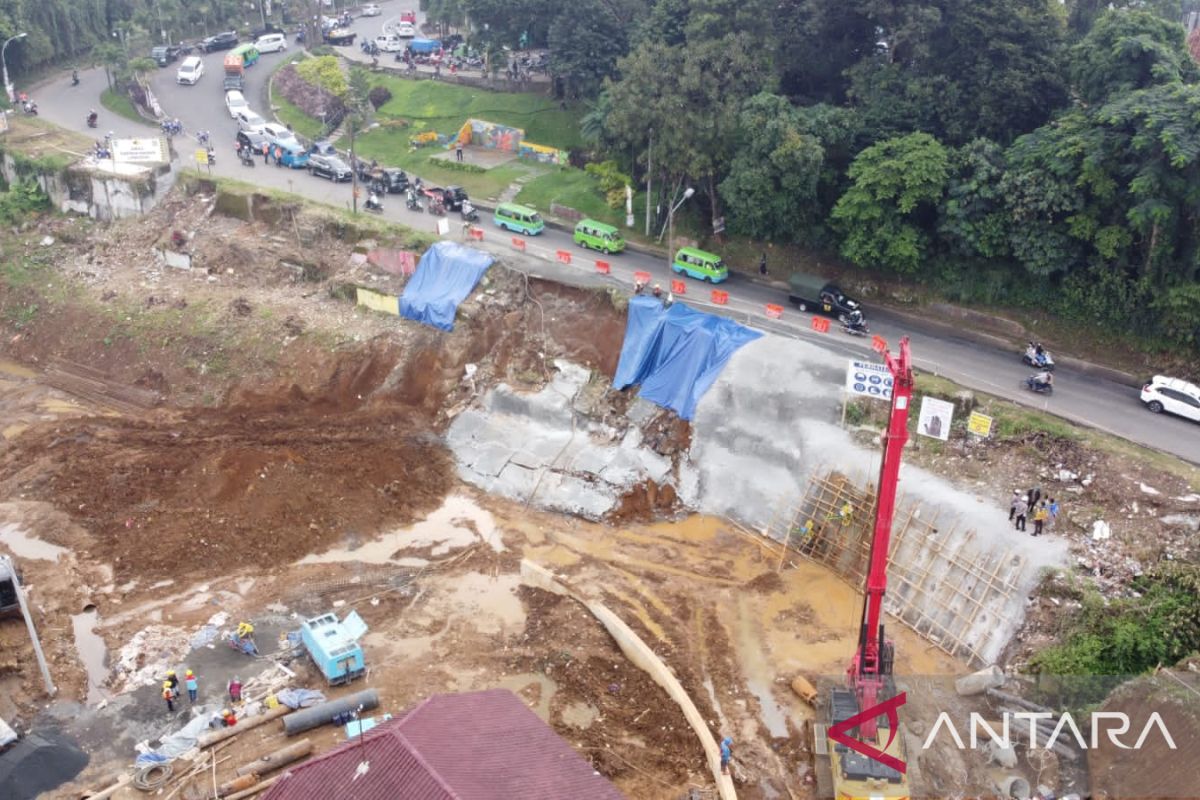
(871, 668)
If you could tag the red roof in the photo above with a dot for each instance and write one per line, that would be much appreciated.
(477, 746)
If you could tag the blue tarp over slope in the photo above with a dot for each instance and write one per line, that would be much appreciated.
(676, 353)
(445, 276)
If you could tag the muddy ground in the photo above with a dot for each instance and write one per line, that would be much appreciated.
(257, 445)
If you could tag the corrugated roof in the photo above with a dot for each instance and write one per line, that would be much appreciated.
(476, 746)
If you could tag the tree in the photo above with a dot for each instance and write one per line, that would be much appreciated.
(585, 45)
(113, 58)
(324, 72)
(1128, 50)
(972, 218)
(886, 214)
(771, 190)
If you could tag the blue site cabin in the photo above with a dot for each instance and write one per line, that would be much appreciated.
(333, 646)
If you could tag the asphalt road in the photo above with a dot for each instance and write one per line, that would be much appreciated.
(1079, 395)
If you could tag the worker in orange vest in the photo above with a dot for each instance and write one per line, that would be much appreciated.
(228, 718)
(168, 694)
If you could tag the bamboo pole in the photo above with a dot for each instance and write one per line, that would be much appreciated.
(253, 790)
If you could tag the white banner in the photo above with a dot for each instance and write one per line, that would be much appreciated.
(151, 150)
(869, 380)
(935, 418)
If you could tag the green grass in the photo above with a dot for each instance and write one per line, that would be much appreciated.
(443, 107)
(300, 122)
(576, 189)
(122, 106)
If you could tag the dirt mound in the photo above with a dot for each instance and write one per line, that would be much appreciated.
(263, 480)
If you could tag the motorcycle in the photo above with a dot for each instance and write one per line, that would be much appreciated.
(1034, 385)
(30, 108)
(246, 156)
(92, 119)
(413, 203)
(468, 212)
(854, 324)
(212, 156)
(74, 78)
(1038, 357)
(373, 203)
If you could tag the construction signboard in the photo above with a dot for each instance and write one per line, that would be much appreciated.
(979, 424)
(869, 380)
(935, 418)
(150, 150)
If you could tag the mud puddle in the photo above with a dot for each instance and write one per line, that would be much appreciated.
(93, 653)
(23, 545)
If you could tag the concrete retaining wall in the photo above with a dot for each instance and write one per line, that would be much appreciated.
(92, 192)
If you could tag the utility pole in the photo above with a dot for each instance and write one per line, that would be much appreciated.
(350, 126)
(649, 177)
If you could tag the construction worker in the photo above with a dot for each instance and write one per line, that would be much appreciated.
(845, 513)
(173, 681)
(193, 686)
(235, 690)
(245, 630)
(168, 694)
(726, 754)
(228, 718)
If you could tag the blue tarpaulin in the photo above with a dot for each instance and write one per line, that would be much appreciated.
(445, 276)
(676, 353)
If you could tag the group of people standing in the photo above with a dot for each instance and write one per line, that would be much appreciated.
(1043, 510)
(170, 693)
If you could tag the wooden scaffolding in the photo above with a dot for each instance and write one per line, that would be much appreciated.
(941, 582)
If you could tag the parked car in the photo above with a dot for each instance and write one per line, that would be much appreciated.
(253, 140)
(371, 10)
(322, 147)
(389, 43)
(330, 167)
(164, 54)
(248, 120)
(452, 197)
(220, 41)
(235, 102)
(190, 71)
(271, 43)
(258, 33)
(394, 180)
(277, 131)
(1173, 395)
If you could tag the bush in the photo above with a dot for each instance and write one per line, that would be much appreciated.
(378, 96)
(612, 181)
(22, 199)
(324, 72)
(459, 166)
(310, 98)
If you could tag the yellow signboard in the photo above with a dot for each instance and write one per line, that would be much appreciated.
(201, 156)
(979, 424)
(377, 301)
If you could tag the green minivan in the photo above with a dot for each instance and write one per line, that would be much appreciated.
(700, 264)
(518, 219)
(594, 235)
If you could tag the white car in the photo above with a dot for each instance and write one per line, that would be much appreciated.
(235, 102)
(1173, 395)
(389, 43)
(190, 71)
(249, 121)
(371, 10)
(271, 43)
(277, 131)
(406, 30)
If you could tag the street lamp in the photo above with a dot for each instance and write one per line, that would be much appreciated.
(688, 192)
(8, 87)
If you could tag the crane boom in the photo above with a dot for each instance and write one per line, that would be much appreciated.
(872, 664)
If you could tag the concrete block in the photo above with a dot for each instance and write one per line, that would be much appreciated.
(516, 482)
(569, 494)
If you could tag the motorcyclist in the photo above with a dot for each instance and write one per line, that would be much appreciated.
(373, 199)
(854, 320)
(1043, 380)
(91, 118)
(74, 77)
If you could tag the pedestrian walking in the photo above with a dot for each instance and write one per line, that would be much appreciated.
(726, 754)
(762, 265)
(1053, 508)
(1040, 515)
(193, 686)
(458, 150)
(1035, 494)
(1022, 509)
(235, 690)
(168, 694)
(1012, 505)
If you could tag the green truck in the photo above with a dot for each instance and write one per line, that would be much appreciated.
(814, 293)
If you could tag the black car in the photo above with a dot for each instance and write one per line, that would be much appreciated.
(233, 82)
(453, 197)
(164, 55)
(261, 32)
(255, 141)
(221, 41)
(330, 167)
(392, 179)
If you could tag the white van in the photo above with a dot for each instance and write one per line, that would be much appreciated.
(190, 71)
(271, 43)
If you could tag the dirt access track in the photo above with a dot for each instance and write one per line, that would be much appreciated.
(240, 439)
